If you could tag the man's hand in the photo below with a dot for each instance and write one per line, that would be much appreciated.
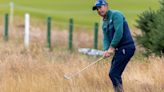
(109, 52)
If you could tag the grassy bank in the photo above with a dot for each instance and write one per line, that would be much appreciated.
(62, 10)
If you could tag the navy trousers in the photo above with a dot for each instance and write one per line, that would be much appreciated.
(118, 64)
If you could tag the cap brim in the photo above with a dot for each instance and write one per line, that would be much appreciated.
(94, 8)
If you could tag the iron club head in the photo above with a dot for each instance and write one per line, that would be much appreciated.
(66, 77)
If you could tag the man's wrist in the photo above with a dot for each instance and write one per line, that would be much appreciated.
(111, 49)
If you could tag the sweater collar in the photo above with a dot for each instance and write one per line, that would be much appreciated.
(107, 17)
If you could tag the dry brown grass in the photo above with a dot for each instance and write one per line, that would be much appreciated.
(38, 70)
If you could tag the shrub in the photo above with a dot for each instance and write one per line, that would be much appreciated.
(151, 24)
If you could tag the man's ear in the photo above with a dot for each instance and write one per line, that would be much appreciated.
(106, 5)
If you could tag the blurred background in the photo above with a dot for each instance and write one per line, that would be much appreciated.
(81, 11)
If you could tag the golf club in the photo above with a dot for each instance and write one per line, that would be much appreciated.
(68, 77)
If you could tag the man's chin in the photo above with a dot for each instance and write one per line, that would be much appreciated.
(102, 15)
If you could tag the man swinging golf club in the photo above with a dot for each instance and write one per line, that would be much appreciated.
(118, 39)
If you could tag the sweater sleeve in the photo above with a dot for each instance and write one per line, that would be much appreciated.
(118, 26)
(105, 41)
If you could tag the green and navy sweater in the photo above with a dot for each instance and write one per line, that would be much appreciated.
(116, 31)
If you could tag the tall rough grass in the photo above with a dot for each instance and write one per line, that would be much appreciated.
(38, 70)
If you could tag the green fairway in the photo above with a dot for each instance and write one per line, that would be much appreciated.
(80, 10)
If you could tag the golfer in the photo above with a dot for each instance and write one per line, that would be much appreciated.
(117, 40)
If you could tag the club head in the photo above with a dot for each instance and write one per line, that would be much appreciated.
(66, 77)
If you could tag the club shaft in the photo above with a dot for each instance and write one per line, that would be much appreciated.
(85, 68)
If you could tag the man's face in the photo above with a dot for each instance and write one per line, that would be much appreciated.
(102, 10)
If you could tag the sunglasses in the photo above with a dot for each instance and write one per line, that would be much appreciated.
(98, 7)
